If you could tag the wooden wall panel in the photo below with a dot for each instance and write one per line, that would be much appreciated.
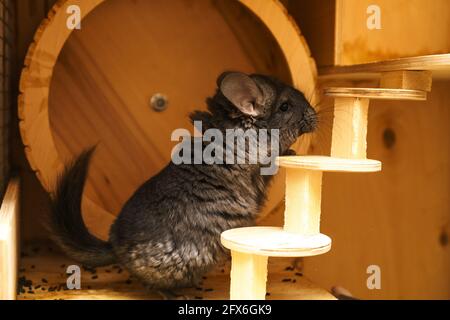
(337, 33)
(408, 28)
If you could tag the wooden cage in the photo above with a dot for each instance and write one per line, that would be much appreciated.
(95, 84)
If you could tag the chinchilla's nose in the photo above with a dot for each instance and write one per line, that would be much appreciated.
(309, 121)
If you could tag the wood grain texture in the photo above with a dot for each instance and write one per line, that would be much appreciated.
(248, 276)
(96, 86)
(9, 241)
(408, 28)
(41, 260)
(407, 79)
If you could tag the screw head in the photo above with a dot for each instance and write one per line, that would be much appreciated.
(159, 102)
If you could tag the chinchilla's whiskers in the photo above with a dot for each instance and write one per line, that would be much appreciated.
(327, 114)
(322, 107)
(321, 137)
(317, 139)
(325, 111)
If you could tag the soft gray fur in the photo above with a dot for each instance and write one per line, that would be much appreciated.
(168, 232)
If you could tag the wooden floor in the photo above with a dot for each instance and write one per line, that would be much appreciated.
(42, 276)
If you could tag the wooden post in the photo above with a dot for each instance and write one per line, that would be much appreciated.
(9, 243)
(248, 276)
(303, 200)
(350, 128)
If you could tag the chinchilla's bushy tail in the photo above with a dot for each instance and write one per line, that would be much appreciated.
(66, 224)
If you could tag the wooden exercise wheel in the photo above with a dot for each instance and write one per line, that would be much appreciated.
(95, 85)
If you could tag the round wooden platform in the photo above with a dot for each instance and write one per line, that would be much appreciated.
(330, 164)
(274, 242)
(376, 93)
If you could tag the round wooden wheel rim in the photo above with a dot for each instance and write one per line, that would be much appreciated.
(50, 38)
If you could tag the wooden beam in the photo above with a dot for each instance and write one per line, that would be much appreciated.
(406, 79)
(248, 276)
(350, 128)
(439, 64)
(303, 199)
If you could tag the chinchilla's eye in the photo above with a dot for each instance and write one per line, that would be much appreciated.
(284, 106)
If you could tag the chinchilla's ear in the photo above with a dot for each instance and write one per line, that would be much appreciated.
(242, 91)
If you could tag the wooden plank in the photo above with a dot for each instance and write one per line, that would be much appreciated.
(412, 28)
(9, 242)
(375, 93)
(406, 79)
(439, 65)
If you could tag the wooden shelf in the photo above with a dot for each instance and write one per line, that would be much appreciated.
(275, 242)
(376, 93)
(45, 267)
(439, 64)
(330, 164)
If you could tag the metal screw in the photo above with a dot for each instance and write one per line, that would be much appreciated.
(159, 102)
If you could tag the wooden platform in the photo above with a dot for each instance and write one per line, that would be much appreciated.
(45, 267)
(329, 164)
(376, 93)
(275, 242)
(438, 64)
